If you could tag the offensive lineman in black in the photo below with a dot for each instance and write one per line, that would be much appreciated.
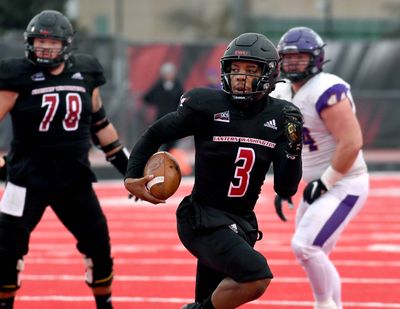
(54, 101)
(238, 131)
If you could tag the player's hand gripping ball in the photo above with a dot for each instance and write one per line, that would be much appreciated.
(167, 175)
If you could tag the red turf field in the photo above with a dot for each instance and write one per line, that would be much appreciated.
(153, 270)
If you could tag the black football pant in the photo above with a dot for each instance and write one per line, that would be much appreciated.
(79, 211)
(221, 253)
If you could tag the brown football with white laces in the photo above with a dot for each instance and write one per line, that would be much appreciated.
(167, 175)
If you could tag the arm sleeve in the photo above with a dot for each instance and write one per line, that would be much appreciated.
(287, 173)
(171, 127)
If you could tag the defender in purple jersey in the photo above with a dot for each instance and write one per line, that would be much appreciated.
(333, 163)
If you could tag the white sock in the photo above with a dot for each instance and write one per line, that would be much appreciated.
(322, 274)
(327, 304)
(319, 274)
(336, 286)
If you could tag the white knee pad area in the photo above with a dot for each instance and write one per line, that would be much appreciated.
(304, 252)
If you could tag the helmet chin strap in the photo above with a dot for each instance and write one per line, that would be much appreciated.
(244, 100)
(254, 84)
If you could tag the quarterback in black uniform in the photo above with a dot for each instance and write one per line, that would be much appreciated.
(238, 131)
(55, 105)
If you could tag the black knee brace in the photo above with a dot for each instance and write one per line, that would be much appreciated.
(10, 269)
(13, 246)
(94, 243)
(98, 273)
(14, 237)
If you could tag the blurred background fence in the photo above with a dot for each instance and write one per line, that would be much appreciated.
(132, 39)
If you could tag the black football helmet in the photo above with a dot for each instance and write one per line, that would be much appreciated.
(302, 40)
(53, 25)
(256, 48)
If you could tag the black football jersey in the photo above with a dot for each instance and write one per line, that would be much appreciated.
(51, 120)
(234, 148)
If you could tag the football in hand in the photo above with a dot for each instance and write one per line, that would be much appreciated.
(167, 175)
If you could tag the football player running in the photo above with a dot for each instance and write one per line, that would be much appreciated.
(54, 100)
(333, 163)
(238, 132)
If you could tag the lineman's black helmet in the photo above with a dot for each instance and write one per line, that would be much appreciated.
(53, 25)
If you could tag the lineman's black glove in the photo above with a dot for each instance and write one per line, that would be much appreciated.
(293, 130)
(314, 190)
(278, 202)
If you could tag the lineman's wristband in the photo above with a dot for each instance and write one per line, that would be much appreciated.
(119, 160)
(330, 177)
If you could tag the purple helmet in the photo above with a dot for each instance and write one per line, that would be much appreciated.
(302, 40)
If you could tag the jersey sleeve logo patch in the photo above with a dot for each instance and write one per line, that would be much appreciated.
(222, 117)
(38, 77)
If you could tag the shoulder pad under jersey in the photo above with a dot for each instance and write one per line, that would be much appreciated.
(85, 63)
(199, 98)
(279, 101)
(15, 68)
